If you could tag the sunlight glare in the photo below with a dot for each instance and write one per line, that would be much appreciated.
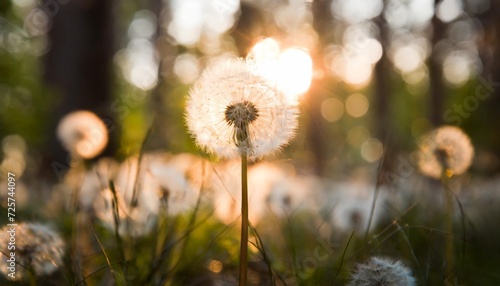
(291, 69)
(295, 66)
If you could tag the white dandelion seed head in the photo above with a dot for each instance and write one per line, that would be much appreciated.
(446, 149)
(137, 210)
(227, 189)
(136, 183)
(88, 185)
(83, 134)
(382, 271)
(38, 248)
(290, 194)
(233, 110)
(160, 181)
(349, 205)
(178, 181)
(161, 178)
(133, 221)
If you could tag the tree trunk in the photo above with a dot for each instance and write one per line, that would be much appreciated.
(78, 66)
(382, 98)
(436, 88)
(315, 130)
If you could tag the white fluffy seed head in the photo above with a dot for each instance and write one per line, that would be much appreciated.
(37, 247)
(445, 150)
(382, 272)
(233, 110)
(83, 134)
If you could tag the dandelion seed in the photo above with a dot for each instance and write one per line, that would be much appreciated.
(446, 149)
(38, 248)
(233, 110)
(382, 272)
(83, 134)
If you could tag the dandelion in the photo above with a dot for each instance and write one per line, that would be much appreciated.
(354, 206)
(159, 182)
(382, 272)
(446, 150)
(295, 194)
(233, 110)
(38, 249)
(88, 184)
(113, 211)
(262, 178)
(82, 134)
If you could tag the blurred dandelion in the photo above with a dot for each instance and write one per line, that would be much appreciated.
(14, 151)
(83, 134)
(445, 150)
(160, 181)
(382, 272)
(350, 205)
(88, 184)
(262, 179)
(38, 248)
(113, 211)
(233, 110)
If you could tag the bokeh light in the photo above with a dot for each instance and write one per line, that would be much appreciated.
(408, 14)
(143, 25)
(187, 68)
(193, 19)
(14, 151)
(215, 266)
(355, 11)
(448, 10)
(332, 109)
(354, 61)
(372, 150)
(458, 67)
(356, 105)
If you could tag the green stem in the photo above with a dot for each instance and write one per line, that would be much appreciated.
(449, 241)
(244, 221)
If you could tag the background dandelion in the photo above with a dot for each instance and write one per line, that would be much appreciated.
(38, 249)
(83, 134)
(372, 77)
(446, 149)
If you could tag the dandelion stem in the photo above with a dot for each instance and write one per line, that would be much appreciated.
(449, 243)
(244, 220)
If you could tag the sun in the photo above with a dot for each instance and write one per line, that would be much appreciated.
(291, 69)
